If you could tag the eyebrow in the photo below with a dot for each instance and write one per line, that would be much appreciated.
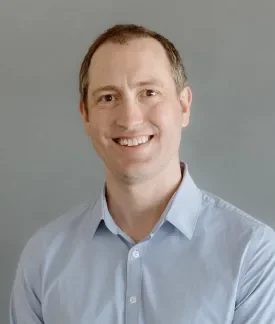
(151, 81)
(104, 88)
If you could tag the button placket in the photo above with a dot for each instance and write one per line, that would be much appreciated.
(133, 291)
(136, 254)
(133, 299)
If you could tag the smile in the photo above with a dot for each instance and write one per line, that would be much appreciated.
(133, 141)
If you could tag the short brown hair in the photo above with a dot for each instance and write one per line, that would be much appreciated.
(122, 33)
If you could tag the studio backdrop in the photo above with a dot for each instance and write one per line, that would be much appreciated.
(47, 164)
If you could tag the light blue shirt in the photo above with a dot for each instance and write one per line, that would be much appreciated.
(206, 262)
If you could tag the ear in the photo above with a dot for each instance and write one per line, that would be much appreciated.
(85, 116)
(185, 102)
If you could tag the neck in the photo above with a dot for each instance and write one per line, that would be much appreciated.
(136, 208)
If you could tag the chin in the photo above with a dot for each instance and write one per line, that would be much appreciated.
(136, 164)
(134, 168)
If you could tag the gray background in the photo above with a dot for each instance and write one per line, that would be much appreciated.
(47, 164)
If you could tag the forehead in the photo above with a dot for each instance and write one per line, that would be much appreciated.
(137, 60)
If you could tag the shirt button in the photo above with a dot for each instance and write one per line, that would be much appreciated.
(135, 254)
(133, 300)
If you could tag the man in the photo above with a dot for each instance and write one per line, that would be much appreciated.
(153, 247)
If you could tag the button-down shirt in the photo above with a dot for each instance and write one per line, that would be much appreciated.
(206, 262)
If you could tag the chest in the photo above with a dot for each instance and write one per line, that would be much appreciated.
(115, 284)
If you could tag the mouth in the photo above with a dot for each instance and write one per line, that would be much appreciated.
(134, 141)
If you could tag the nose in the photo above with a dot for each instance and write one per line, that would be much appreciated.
(130, 114)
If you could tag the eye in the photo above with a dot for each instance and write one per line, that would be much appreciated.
(149, 93)
(106, 98)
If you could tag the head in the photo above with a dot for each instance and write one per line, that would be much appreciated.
(134, 101)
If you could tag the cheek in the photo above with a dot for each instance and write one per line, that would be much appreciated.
(98, 140)
(167, 115)
(99, 133)
(97, 126)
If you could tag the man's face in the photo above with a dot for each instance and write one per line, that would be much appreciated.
(135, 115)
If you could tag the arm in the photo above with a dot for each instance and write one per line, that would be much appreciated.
(25, 307)
(256, 299)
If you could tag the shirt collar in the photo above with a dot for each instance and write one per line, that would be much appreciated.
(185, 205)
(182, 212)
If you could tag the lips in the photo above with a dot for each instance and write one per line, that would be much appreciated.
(133, 141)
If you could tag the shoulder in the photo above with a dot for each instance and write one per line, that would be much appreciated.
(242, 238)
(240, 228)
(51, 242)
(51, 236)
(224, 211)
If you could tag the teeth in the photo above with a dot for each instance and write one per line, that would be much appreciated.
(134, 141)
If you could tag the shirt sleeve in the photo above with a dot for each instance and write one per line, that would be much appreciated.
(256, 299)
(25, 299)
(25, 306)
